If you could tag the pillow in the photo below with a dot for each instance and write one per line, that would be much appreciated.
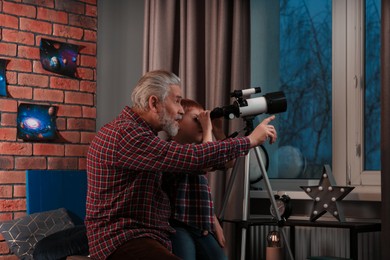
(23, 233)
(57, 246)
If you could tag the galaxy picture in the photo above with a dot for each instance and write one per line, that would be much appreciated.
(36, 122)
(3, 90)
(59, 57)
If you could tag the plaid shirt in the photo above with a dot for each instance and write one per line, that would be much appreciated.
(124, 166)
(191, 200)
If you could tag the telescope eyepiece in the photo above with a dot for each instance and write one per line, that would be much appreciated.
(245, 92)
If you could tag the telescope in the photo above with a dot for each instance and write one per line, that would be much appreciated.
(270, 103)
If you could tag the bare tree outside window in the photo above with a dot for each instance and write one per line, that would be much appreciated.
(372, 112)
(306, 79)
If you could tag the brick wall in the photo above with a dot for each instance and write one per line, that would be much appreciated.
(22, 25)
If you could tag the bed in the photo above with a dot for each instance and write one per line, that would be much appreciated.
(54, 225)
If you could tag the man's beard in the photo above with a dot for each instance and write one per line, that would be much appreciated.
(169, 125)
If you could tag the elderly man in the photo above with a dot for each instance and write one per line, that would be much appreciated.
(127, 211)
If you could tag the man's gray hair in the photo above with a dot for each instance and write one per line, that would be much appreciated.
(156, 83)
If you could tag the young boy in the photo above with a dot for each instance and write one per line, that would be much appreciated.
(198, 232)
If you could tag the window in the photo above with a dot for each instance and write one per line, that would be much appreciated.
(327, 62)
(372, 113)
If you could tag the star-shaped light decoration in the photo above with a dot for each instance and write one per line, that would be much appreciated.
(326, 196)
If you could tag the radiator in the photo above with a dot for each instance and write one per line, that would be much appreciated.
(315, 241)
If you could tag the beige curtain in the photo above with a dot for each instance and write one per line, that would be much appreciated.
(207, 43)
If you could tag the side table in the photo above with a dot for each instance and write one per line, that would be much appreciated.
(355, 228)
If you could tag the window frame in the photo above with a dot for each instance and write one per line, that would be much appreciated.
(348, 25)
(347, 101)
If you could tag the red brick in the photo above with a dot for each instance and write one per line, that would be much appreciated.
(76, 150)
(13, 205)
(91, 10)
(48, 95)
(70, 6)
(20, 92)
(78, 98)
(83, 21)
(70, 136)
(88, 86)
(19, 9)
(11, 77)
(88, 47)
(18, 37)
(20, 65)
(52, 15)
(7, 134)
(68, 31)
(35, 26)
(46, 3)
(82, 163)
(4, 217)
(8, 257)
(86, 137)
(48, 149)
(88, 61)
(5, 191)
(81, 124)
(64, 83)
(12, 177)
(4, 249)
(8, 119)
(29, 52)
(13, 148)
(19, 191)
(20, 214)
(8, 105)
(30, 163)
(33, 80)
(90, 36)
(9, 21)
(61, 123)
(55, 163)
(6, 162)
(8, 49)
(89, 112)
(92, 2)
(84, 73)
(69, 111)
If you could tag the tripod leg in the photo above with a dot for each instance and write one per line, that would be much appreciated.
(266, 180)
(229, 188)
(245, 208)
(272, 199)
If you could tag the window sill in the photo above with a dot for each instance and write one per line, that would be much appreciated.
(292, 188)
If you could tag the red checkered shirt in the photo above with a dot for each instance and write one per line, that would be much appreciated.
(125, 162)
(191, 200)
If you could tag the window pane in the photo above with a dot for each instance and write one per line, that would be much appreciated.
(372, 112)
(305, 130)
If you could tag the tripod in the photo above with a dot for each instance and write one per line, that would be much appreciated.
(280, 221)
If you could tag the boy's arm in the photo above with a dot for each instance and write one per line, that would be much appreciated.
(205, 122)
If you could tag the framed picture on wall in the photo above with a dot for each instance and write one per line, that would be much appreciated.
(3, 90)
(59, 57)
(36, 122)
